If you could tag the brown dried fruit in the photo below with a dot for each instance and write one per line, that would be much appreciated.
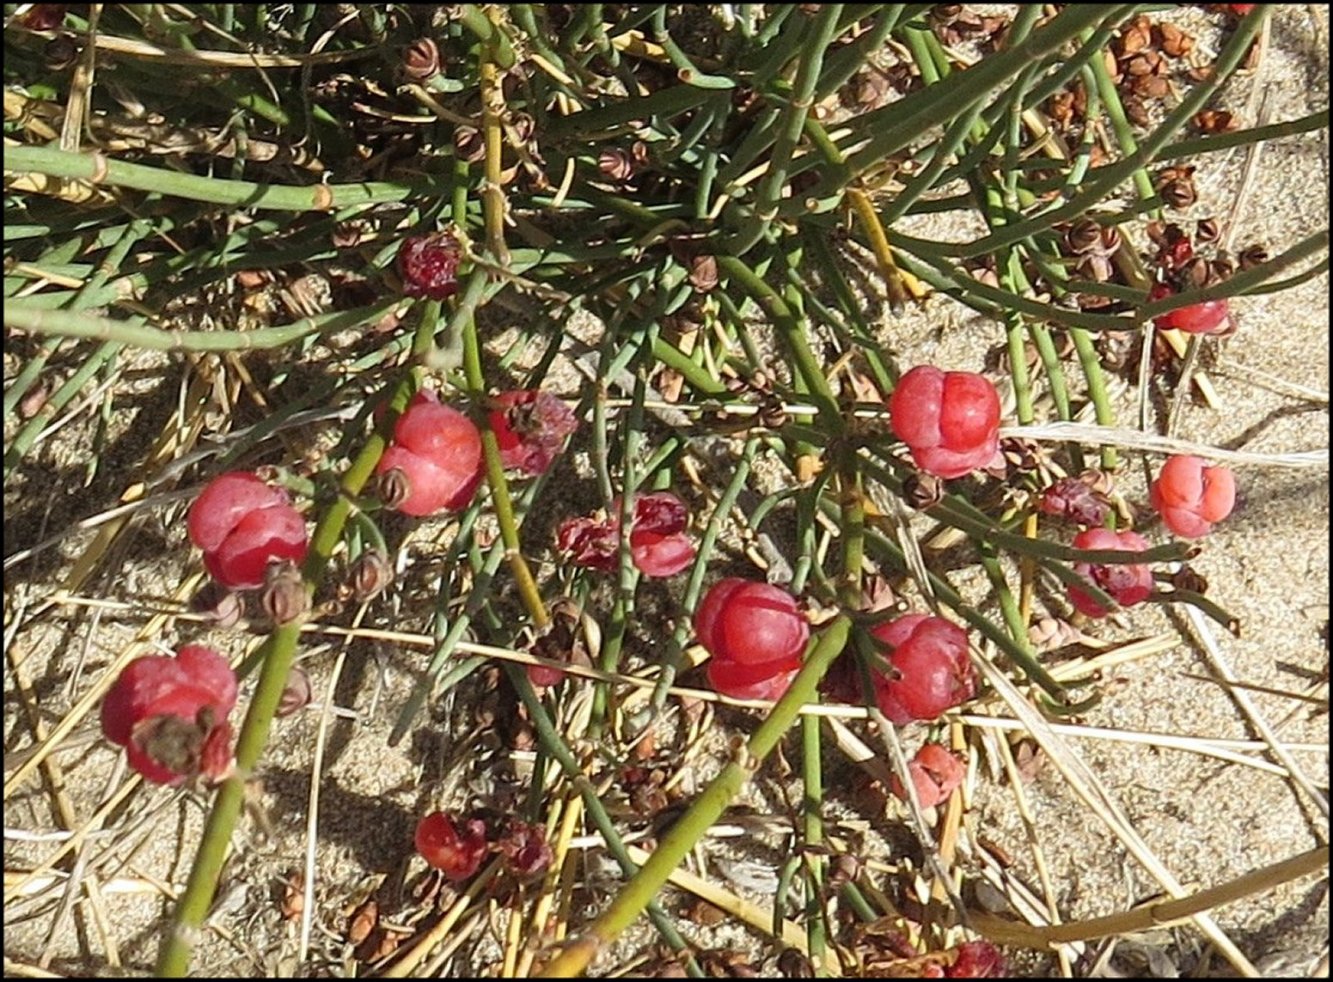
(363, 920)
(616, 164)
(295, 694)
(1175, 42)
(1178, 193)
(284, 596)
(1215, 121)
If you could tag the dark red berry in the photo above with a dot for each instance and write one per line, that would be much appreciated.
(659, 545)
(530, 427)
(428, 265)
(457, 852)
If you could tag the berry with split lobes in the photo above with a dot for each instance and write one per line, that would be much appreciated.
(170, 715)
(437, 453)
(756, 634)
(530, 427)
(242, 525)
(949, 420)
(1126, 583)
(928, 668)
(658, 542)
(1191, 496)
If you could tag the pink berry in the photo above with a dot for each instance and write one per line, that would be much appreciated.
(170, 714)
(1127, 584)
(438, 450)
(756, 634)
(531, 427)
(935, 773)
(242, 525)
(930, 669)
(1190, 496)
(949, 420)
(428, 265)
(458, 852)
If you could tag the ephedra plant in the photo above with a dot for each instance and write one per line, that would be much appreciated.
(466, 182)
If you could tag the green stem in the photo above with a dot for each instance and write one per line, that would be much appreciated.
(102, 170)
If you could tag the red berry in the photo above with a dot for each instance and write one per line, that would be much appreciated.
(930, 668)
(588, 542)
(242, 525)
(658, 543)
(530, 426)
(438, 449)
(170, 714)
(935, 773)
(949, 420)
(457, 852)
(976, 960)
(524, 847)
(1209, 317)
(1190, 496)
(756, 634)
(1127, 584)
(428, 265)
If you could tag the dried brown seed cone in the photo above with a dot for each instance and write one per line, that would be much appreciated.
(369, 575)
(295, 694)
(284, 597)
(393, 487)
(921, 490)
